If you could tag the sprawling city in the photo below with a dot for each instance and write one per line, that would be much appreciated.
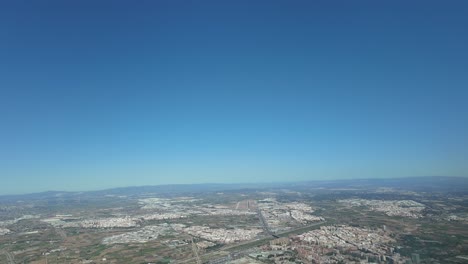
(422, 220)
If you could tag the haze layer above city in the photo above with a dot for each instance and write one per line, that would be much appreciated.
(105, 94)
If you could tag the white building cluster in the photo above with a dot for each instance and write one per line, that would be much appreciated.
(405, 208)
(154, 203)
(16, 220)
(222, 235)
(110, 222)
(163, 216)
(225, 211)
(165, 203)
(4, 231)
(143, 235)
(454, 217)
(346, 244)
(348, 237)
(277, 213)
(299, 207)
(302, 217)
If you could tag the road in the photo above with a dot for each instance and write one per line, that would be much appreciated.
(264, 223)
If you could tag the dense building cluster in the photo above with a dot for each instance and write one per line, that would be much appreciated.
(220, 235)
(332, 244)
(109, 222)
(346, 244)
(405, 208)
(348, 237)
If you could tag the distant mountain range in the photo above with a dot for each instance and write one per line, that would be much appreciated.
(429, 184)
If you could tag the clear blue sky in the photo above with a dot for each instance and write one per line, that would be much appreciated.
(98, 94)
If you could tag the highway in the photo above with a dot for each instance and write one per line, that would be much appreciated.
(265, 239)
(240, 247)
(264, 222)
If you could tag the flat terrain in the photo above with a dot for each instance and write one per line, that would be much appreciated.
(299, 225)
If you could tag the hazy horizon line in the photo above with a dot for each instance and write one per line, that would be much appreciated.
(228, 183)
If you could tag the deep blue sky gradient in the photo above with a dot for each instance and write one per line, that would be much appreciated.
(97, 94)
